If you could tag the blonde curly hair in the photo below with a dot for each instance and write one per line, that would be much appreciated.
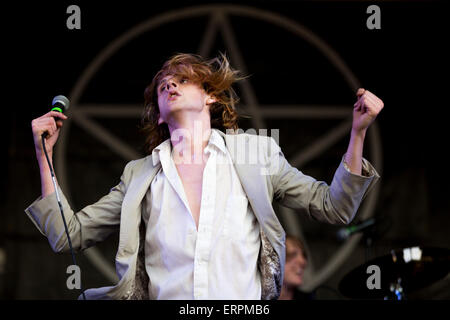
(215, 76)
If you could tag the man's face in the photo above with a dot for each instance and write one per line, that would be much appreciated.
(295, 265)
(180, 95)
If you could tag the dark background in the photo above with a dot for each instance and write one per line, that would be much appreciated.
(405, 64)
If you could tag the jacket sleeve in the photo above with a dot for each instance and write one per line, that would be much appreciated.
(336, 203)
(91, 225)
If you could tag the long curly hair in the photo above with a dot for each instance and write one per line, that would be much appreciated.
(215, 76)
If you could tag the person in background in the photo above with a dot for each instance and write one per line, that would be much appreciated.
(294, 270)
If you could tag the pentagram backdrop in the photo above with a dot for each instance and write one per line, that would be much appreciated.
(404, 63)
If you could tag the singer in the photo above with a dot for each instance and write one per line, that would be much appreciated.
(195, 218)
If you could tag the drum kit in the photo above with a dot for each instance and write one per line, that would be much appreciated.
(397, 275)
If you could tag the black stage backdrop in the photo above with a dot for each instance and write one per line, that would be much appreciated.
(405, 63)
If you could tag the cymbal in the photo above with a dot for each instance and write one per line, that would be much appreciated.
(410, 268)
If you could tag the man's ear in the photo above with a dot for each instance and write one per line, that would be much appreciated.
(211, 100)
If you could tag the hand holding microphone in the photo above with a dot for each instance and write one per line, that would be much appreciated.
(45, 133)
(49, 125)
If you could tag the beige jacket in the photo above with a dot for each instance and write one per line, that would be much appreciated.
(267, 179)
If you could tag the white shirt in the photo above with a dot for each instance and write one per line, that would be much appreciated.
(219, 261)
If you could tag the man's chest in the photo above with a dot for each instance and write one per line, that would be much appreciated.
(191, 177)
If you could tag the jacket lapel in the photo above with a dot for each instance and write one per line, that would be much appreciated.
(131, 213)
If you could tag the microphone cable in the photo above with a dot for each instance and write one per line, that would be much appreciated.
(61, 209)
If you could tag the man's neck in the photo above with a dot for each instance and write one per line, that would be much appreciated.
(189, 138)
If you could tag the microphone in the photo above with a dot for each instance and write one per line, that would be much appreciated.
(345, 233)
(60, 104)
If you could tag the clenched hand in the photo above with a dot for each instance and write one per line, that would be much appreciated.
(365, 110)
